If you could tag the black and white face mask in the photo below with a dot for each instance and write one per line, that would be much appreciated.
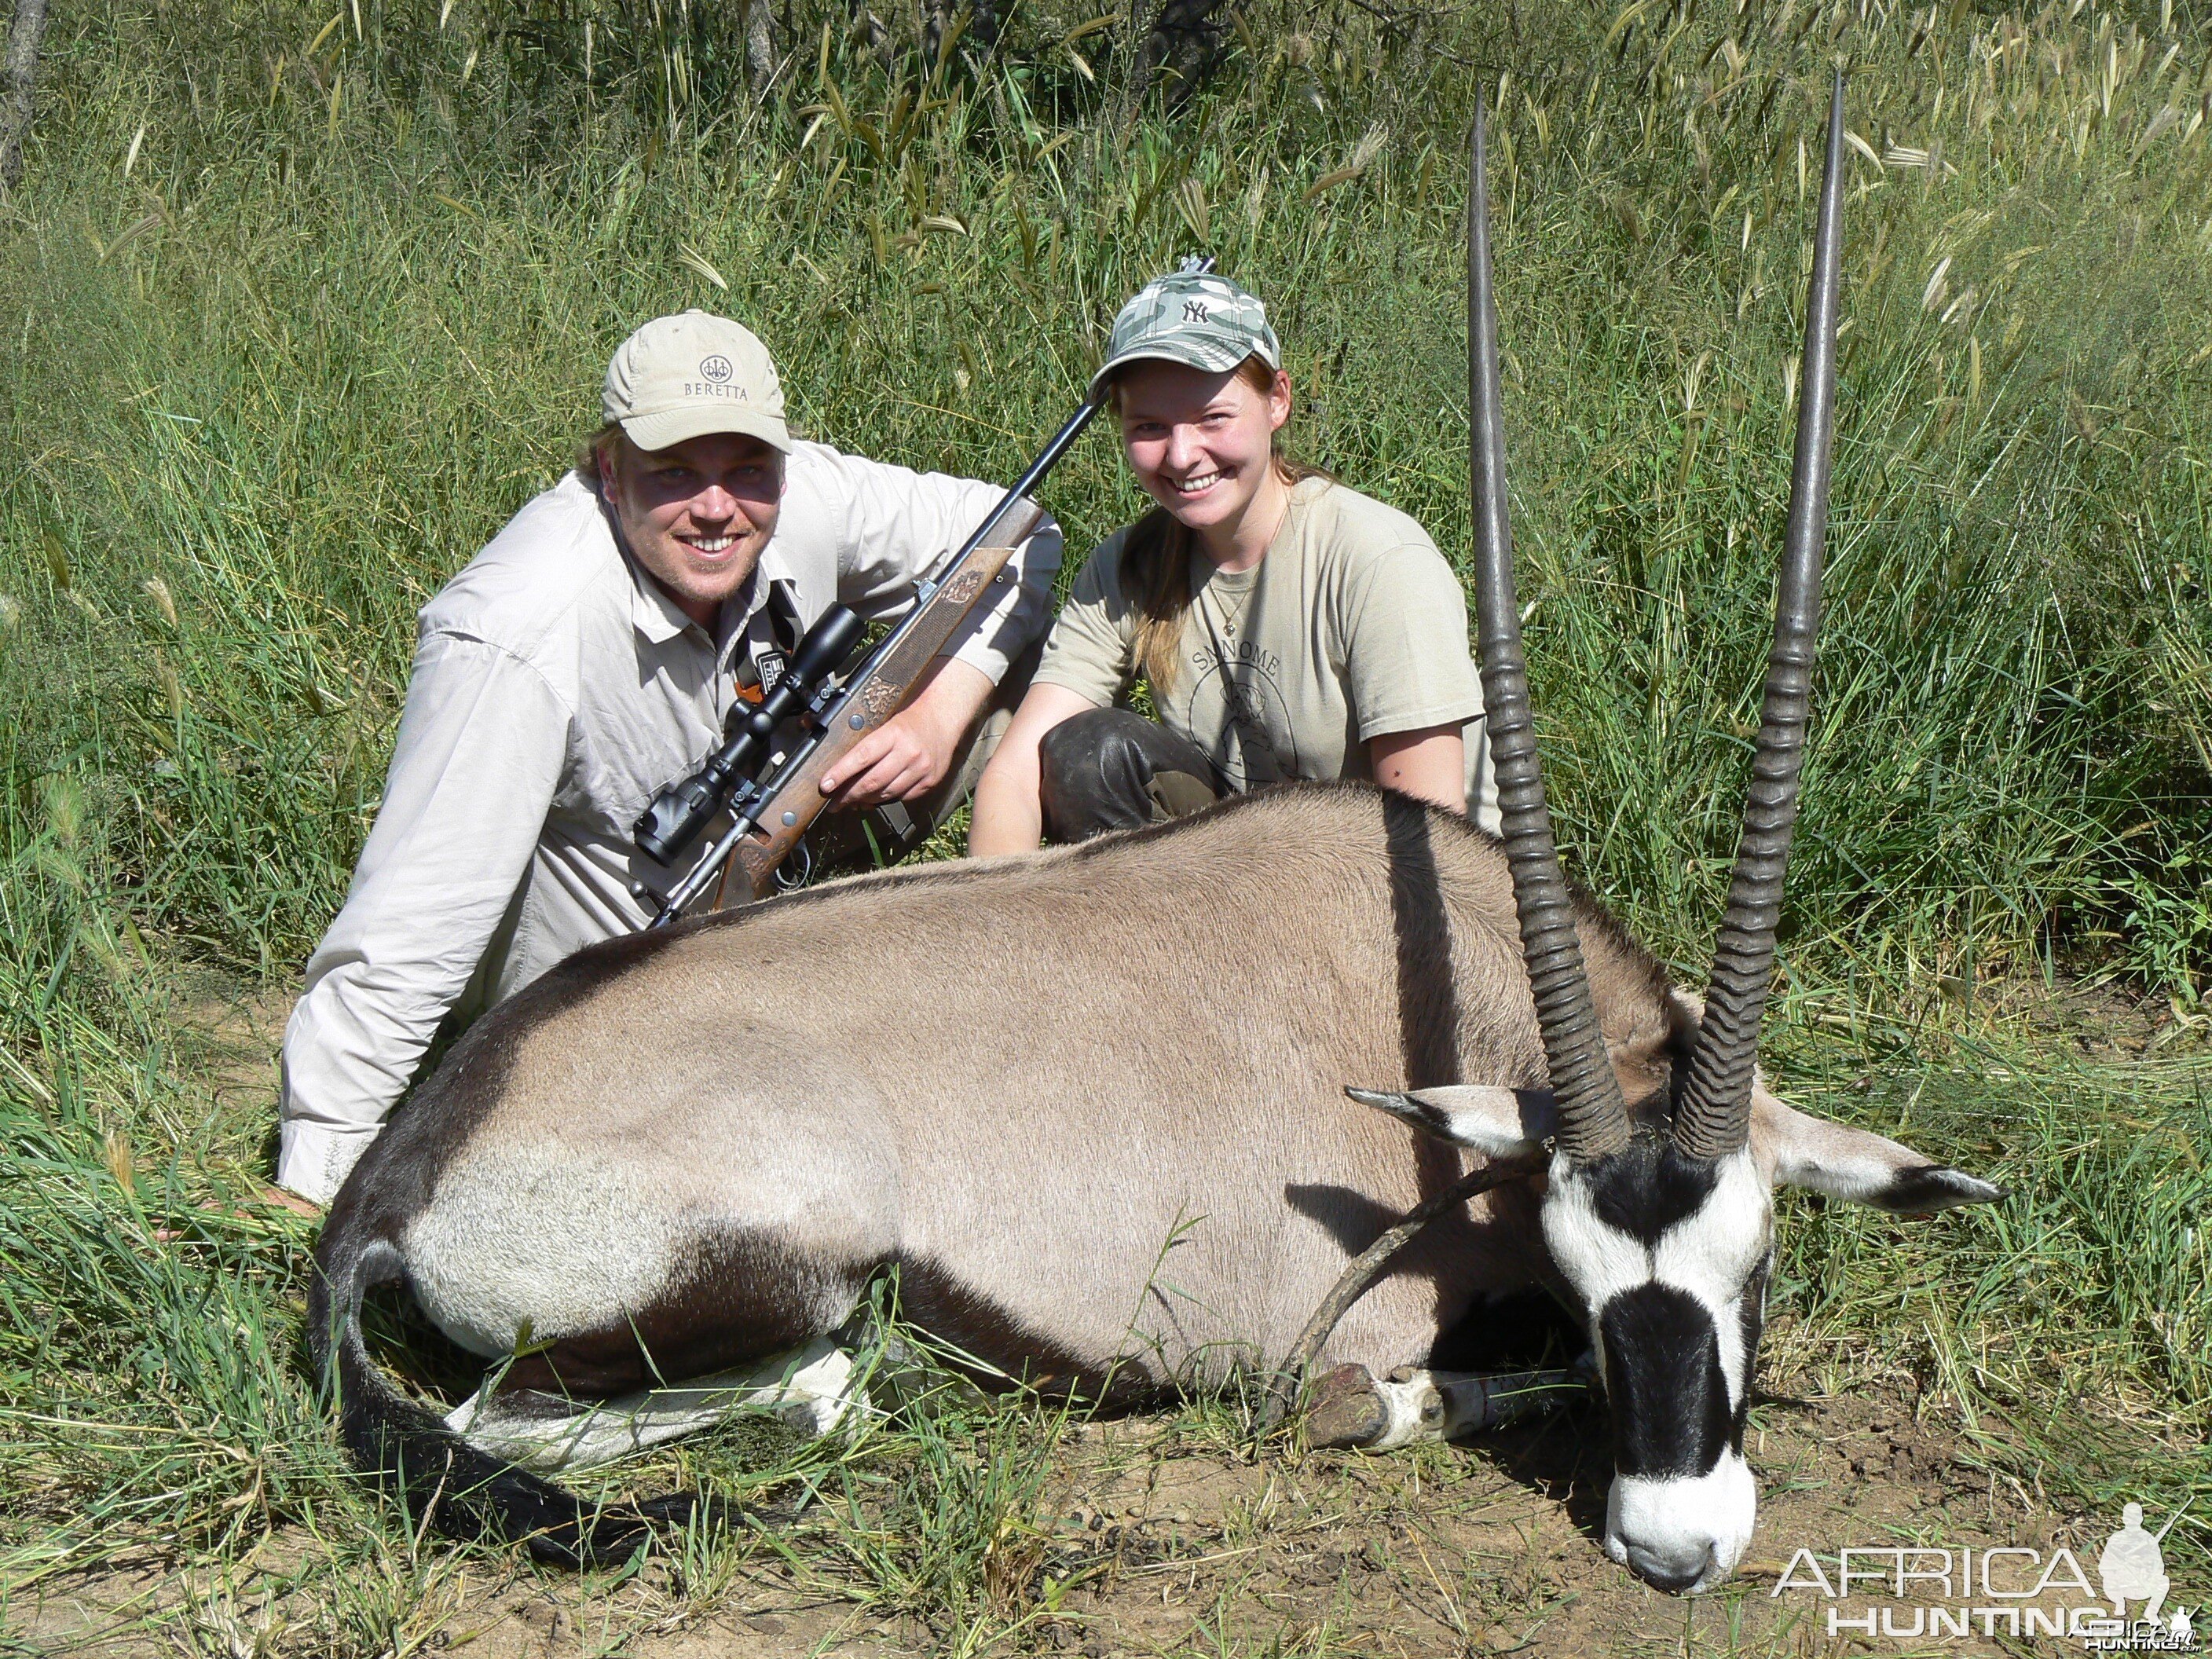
(1669, 1256)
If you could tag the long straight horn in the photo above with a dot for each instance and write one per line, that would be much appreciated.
(1592, 1121)
(1714, 1116)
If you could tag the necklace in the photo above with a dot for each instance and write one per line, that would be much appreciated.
(1229, 625)
(1233, 614)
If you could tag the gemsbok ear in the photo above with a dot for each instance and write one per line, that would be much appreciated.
(1499, 1124)
(1803, 1151)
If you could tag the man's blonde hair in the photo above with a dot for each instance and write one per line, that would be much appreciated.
(589, 451)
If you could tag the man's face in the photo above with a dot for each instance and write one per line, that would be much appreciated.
(697, 514)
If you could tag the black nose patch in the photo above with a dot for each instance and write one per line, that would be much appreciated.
(1663, 1378)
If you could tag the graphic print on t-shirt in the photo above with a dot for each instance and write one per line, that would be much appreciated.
(1249, 682)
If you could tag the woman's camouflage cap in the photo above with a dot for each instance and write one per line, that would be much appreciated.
(1205, 321)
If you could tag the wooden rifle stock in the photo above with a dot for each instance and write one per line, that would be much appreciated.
(879, 690)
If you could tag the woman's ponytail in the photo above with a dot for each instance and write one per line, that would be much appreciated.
(1156, 578)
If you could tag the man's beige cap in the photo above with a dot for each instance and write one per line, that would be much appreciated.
(686, 376)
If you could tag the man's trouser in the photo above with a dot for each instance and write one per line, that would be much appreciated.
(1112, 770)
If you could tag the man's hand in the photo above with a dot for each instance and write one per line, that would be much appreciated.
(280, 1198)
(912, 752)
(908, 755)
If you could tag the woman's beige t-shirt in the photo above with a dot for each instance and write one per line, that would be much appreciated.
(1353, 627)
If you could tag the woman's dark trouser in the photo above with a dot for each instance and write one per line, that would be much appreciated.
(1112, 770)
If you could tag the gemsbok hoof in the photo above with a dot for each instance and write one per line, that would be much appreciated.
(1347, 1412)
(1353, 1411)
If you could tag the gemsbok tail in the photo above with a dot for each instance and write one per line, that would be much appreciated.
(462, 1492)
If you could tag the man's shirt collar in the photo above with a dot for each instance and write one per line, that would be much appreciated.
(655, 615)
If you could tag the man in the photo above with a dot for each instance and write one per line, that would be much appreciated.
(586, 657)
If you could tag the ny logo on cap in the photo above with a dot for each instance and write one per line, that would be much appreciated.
(1194, 311)
(716, 368)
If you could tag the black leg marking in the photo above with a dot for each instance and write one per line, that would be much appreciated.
(739, 1298)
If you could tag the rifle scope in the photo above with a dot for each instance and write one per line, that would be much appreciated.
(685, 808)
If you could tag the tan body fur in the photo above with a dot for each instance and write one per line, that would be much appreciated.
(1090, 1100)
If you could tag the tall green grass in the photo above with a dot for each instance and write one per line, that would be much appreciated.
(302, 307)
(290, 349)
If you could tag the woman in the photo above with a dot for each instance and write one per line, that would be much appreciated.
(1288, 627)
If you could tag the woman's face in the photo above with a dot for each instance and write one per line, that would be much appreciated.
(1200, 443)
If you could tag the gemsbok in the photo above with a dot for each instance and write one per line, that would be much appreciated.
(1020, 1081)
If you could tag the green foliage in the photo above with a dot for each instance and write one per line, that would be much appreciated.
(2083, 1285)
(303, 307)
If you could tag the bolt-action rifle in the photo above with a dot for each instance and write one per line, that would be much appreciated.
(771, 809)
(768, 814)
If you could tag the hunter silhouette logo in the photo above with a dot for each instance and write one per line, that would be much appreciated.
(716, 368)
(2132, 1568)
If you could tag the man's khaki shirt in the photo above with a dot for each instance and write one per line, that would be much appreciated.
(556, 688)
